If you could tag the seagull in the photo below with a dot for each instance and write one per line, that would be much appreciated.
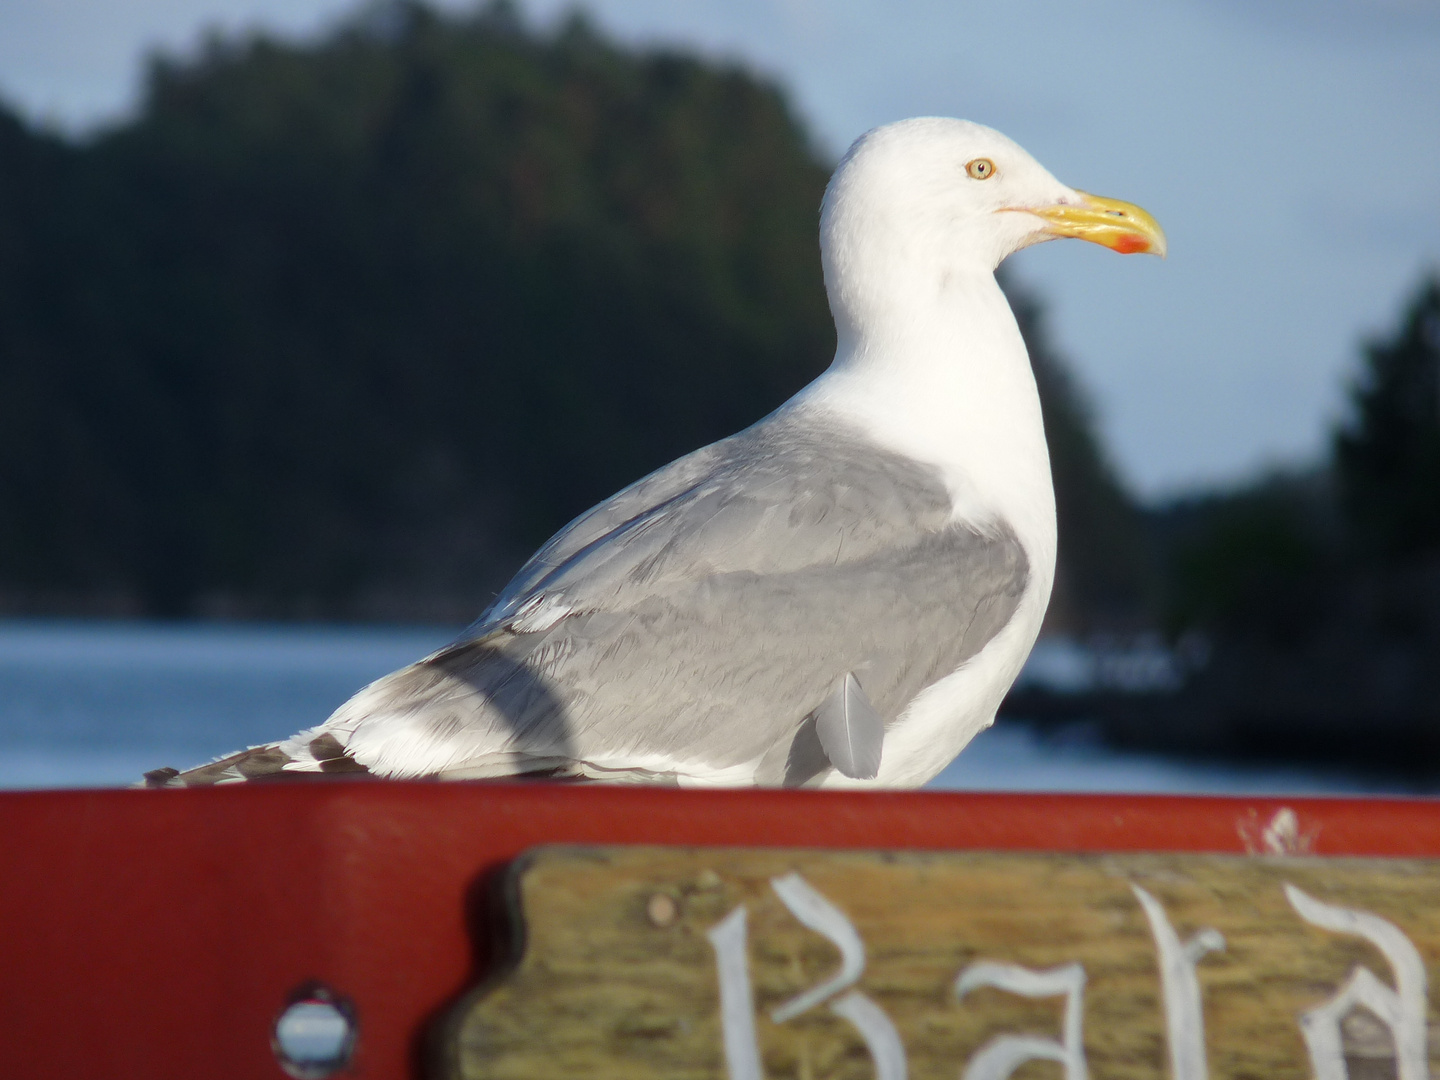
(837, 596)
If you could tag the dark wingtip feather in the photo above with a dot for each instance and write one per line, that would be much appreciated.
(261, 763)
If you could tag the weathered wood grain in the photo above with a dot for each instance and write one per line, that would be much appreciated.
(617, 978)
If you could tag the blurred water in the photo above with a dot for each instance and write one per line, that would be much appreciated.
(96, 704)
(92, 703)
(1017, 757)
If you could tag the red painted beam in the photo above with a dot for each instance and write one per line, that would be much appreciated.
(159, 933)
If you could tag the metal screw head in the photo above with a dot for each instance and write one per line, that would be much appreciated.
(314, 1037)
(662, 910)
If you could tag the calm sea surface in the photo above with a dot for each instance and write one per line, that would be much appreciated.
(86, 704)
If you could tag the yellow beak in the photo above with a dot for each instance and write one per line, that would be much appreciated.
(1119, 226)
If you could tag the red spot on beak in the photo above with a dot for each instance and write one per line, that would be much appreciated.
(1131, 245)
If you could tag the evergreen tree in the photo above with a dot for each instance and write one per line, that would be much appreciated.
(1388, 455)
(374, 315)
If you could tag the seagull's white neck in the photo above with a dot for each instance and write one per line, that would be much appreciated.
(938, 371)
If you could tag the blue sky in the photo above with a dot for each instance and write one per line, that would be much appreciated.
(1291, 149)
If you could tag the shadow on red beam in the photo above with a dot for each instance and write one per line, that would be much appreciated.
(159, 933)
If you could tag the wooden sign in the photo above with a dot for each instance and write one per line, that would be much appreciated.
(743, 964)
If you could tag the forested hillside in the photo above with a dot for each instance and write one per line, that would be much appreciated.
(344, 329)
(1310, 598)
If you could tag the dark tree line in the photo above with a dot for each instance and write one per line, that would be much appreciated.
(1387, 456)
(1317, 591)
(1349, 540)
(346, 328)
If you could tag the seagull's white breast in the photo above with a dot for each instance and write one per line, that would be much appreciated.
(953, 388)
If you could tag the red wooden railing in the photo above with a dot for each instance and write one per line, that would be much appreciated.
(160, 933)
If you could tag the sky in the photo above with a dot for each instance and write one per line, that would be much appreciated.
(1290, 148)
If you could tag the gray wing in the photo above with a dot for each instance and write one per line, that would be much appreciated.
(640, 498)
(699, 620)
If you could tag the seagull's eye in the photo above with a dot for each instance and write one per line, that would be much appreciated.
(982, 168)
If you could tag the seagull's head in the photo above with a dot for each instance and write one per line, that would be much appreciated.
(931, 199)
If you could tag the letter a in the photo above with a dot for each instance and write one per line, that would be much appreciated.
(1402, 1010)
(1002, 1055)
